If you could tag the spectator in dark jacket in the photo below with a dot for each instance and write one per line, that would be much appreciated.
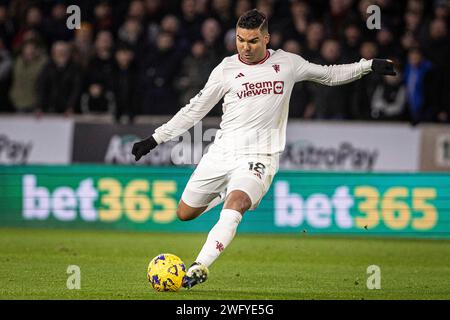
(6, 26)
(55, 26)
(314, 37)
(125, 83)
(190, 20)
(364, 89)
(194, 72)
(159, 72)
(5, 77)
(60, 81)
(329, 102)
(101, 65)
(437, 44)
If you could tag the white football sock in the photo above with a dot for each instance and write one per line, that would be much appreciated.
(220, 236)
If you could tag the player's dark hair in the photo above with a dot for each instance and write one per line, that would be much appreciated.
(253, 19)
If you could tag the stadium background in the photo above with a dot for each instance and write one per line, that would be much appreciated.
(364, 160)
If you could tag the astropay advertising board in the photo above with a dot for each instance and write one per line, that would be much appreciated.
(364, 147)
(31, 140)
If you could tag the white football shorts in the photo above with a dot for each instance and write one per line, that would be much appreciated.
(223, 171)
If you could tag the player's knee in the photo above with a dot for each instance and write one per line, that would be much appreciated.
(238, 200)
(185, 212)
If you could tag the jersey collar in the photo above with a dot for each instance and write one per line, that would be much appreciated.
(253, 64)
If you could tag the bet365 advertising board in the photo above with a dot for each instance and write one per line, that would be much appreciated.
(145, 198)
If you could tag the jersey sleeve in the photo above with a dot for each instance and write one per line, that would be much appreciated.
(196, 109)
(332, 75)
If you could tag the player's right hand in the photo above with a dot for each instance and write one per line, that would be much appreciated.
(384, 67)
(143, 147)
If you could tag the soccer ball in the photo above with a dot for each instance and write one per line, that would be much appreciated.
(166, 272)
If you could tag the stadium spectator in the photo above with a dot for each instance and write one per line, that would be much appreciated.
(417, 68)
(211, 36)
(6, 26)
(364, 89)
(154, 11)
(125, 83)
(230, 42)
(171, 25)
(103, 17)
(5, 77)
(441, 9)
(55, 26)
(329, 102)
(389, 99)
(27, 67)
(100, 67)
(436, 47)
(276, 40)
(314, 36)
(131, 32)
(338, 14)
(266, 7)
(292, 46)
(97, 96)
(296, 27)
(201, 7)
(221, 11)
(190, 20)
(437, 43)
(136, 10)
(82, 44)
(59, 82)
(159, 71)
(411, 35)
(300, 95)
(194, 72)
(387, 46)
(351, 43)
(97, 100)
(240, 7)
(32, 27)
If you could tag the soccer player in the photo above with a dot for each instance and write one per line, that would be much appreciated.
(238, 168)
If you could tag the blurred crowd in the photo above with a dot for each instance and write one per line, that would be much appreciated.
(151, 56)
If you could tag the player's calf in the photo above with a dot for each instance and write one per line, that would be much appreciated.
(185, 212)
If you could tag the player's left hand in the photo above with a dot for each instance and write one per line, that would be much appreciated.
(143, 147)
(384, 67)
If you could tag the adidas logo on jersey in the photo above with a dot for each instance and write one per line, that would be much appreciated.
(239, 75)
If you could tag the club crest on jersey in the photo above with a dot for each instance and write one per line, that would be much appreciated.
(261, 88)
(276, 67)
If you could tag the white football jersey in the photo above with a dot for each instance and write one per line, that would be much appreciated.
(256, 99)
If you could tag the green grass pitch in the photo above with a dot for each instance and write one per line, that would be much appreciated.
(113, 264)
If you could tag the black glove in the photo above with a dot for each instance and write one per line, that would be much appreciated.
(143, 147)
(383, 67)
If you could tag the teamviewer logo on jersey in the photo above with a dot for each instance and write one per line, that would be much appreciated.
(278, 87)
(252, 89)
